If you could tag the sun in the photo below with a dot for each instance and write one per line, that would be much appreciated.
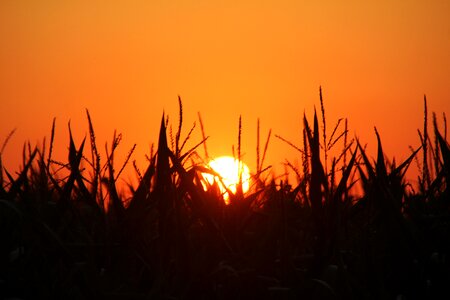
(229, 169)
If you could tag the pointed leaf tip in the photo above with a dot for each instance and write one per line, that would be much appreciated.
(381, 165)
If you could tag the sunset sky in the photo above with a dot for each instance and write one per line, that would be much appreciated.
(127, 61)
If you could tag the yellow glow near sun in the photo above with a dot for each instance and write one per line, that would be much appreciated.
(229, 169)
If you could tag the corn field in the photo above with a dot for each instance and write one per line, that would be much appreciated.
(67, 232)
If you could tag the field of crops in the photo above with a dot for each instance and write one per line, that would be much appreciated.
(67, 233)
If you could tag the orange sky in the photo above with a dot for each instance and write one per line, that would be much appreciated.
(126, 61)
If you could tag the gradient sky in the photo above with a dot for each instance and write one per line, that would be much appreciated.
(126, 61)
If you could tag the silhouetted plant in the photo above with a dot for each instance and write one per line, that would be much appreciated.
(68, 232)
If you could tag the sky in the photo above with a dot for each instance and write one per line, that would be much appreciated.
(127, 62)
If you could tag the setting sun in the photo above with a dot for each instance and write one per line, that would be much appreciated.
(230, 170)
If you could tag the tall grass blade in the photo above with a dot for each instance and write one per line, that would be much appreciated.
(188, 136)
(290, 143)
(403, 167)
(74, 163)
(331, 141)
(445, 125)
(425, 172)
(22, 178)
(163, 176)
(140, 201)
(369, 167)
(342, 186)
(180, 124)
(5, 142)
(127, 159)
(266, 146)
(95, 156)
(305, 155)
(116, 206)
(257, 148)
(52, 140)
(324, 130)
(203, 136)
(445, 151)
(380, 165)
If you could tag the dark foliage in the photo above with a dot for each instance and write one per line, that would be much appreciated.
(67, 233)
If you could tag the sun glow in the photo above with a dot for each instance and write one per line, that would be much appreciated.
(230, 170)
